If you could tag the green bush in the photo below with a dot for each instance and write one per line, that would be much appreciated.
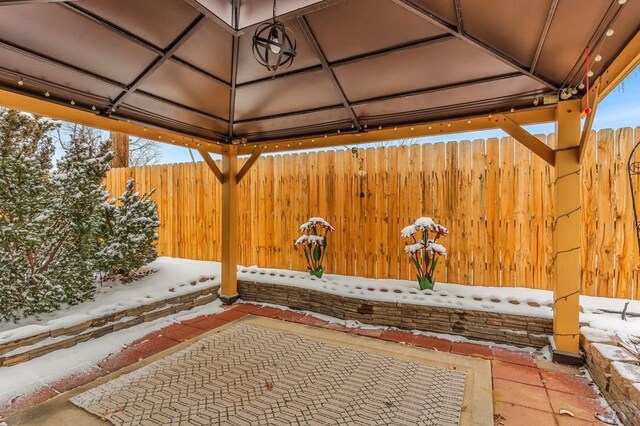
(55, 222)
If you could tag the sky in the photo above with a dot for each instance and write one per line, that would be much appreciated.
(621, 108)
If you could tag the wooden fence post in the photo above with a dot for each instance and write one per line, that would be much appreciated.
(120, 146)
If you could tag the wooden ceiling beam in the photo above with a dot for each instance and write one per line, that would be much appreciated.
(440, 127)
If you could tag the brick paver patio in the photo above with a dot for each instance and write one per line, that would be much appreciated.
(247, 375)
(526, 390)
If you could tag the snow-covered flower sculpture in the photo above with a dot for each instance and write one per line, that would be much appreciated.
(423, 250)
(314, 243)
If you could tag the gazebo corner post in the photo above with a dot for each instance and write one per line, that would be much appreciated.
(229, 289)
(566, 234)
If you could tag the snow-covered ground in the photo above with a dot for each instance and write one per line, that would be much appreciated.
(508, 300)
(172, 277)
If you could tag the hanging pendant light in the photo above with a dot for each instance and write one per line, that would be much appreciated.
(274, 44)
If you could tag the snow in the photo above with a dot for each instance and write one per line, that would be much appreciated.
(424, 223)
(414, 248)
(408, 231)
(311, 239)
(36, 373)
(172, 277)
(437, 248)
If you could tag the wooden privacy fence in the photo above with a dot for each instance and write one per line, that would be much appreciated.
(495, 197)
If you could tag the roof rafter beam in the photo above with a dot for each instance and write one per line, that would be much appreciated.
(597, 38)
(354, 59)
(543, 35)
(173, 47)
(139, 41)
(534, 144)
(325, 65)
(458, 7)
(427, 15)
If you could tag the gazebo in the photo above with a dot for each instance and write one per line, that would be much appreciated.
(183, 72)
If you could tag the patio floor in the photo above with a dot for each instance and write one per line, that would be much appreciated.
(526, 389)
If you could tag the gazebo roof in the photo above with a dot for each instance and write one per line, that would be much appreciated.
(186, 66)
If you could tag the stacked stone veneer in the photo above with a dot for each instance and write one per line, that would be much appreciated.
(496, 327)
(616, 371)
(21, 350)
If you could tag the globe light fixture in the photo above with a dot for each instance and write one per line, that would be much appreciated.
(274, 45)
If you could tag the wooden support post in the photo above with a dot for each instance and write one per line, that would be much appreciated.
(120, 147)
(229, 291)
(567, 239)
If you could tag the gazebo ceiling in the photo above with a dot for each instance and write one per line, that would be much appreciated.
(187, 66)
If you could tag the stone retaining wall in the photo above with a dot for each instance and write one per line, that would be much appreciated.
(21, 350)
(616, 371)
(496, 327)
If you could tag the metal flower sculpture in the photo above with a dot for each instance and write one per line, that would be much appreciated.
(633, 168)
(274, 45)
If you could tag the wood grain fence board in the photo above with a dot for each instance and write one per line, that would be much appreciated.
(440, 205)
(381, 214)
(606, 218)
(479, 211)
(493, 212)
(404, 198)
(589, 239)
(451, 197)
(507, 198)
(465, 244)
(625, 224)
(396, 247)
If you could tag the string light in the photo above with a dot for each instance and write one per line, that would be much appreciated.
(412, 128)
(490, 115)
(609, 32)
(47, 94)
(20, 82)
(72, 102)
(512, 109)
(93, 107)
(621, 2)
(590, 73)
(581, 86)
(468, 121)
(448, 124)
(395, 128)
(536, 101)
(598, 58)
(380, 127)
(429, 127)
